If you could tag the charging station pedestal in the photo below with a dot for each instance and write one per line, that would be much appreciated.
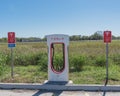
(58, 66)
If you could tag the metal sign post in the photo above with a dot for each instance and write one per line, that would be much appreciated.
(107, 39)
(106, 63)
(12, 64)
(11, 45)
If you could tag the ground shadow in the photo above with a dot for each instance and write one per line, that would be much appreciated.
(54, 93)
(104, 93)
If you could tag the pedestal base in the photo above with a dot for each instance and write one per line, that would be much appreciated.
(58, 82)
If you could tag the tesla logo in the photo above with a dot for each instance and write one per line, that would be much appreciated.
(107, 36)
(107, 33)
(57, 38)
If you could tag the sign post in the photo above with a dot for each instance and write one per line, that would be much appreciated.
(107, 39)
(11, 45)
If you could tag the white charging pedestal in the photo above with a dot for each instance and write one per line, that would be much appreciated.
(62, 74)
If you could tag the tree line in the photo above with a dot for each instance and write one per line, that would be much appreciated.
(96, 36)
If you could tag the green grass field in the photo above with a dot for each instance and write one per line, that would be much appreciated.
(86, 61)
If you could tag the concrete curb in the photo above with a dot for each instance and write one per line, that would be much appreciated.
(67, 87)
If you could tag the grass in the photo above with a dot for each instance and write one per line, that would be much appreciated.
(31, 62)
(25, 74)
(89, 75)
(96, 75)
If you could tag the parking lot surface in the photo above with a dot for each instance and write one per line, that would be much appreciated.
(54, 93)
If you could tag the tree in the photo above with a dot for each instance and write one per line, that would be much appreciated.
(75, 37)
(97, 36)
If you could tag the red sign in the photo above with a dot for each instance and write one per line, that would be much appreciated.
(107, 36)
(11, 37)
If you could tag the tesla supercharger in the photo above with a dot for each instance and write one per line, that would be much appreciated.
(58, 66)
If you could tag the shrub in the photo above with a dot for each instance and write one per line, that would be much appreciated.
(20, 60)
(43, 62)
(3, 60)
(39, 59)
(77, 62)
(31, 59)
(100, 61)
(58, 62)
(116, 59)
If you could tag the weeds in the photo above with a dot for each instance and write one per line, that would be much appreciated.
(100, 61)
(77, 62)
(3, 61)
(86, 61)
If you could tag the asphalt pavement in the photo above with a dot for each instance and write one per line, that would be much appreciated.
(55, 93)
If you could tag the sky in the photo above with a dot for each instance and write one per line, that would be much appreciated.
(37, 18)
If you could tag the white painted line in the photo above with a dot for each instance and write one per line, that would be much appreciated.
(99, 94)
(86, 94)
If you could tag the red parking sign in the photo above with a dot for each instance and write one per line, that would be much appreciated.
(11, 37)
(107, 36)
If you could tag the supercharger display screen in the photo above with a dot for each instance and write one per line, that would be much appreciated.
(57, 57)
